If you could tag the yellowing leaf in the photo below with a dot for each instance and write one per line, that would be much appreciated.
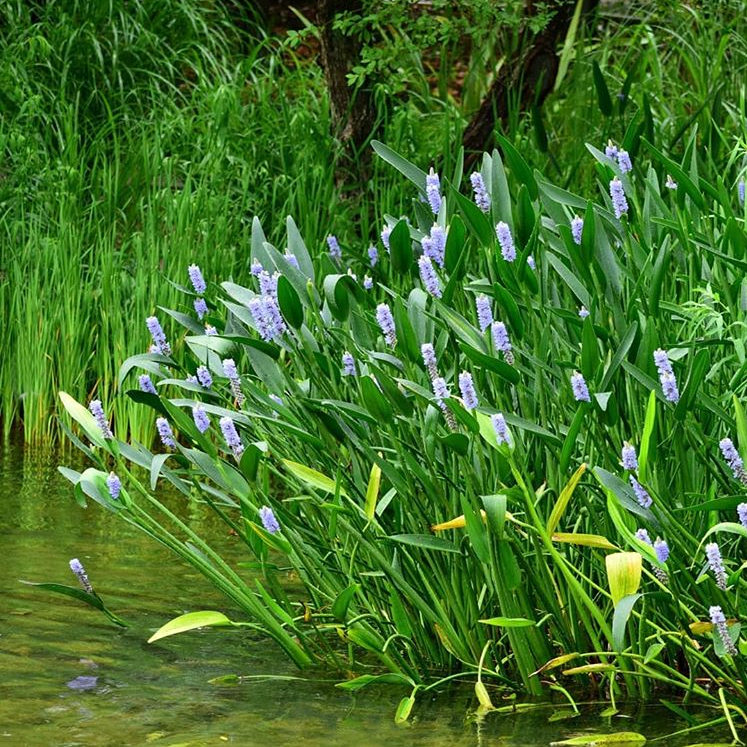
(483, 697)
(623, 574)
(190, 621)
(312, 477)
(563, 499)
(557, 661)
(459, 523)
(589, 540)
(372, 491)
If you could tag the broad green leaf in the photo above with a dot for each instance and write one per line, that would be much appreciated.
(623, 608)
(648, 430)
(407, 169)
(84, 418)
(82, 596)
(603, 94)
(343, 600)
(191, 621)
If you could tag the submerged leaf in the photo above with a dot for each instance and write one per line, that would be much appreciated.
(600, 740)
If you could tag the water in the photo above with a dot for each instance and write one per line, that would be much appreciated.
(69, 678)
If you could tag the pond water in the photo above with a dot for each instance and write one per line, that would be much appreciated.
(68, 677)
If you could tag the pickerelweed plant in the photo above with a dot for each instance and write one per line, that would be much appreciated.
(419, 459)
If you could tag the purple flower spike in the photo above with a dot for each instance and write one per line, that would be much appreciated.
(292, 260)
(165, 432)
(145, 384)
(643, 536)
(580, 390)
(482, 199)
(429, 359)
(716, 564)
(428, 276)
(204, 377)
(506, 241)
(661, 548)
(501, 341)
(484, 312)
(348, 364)
(97, 411)
(666, 375)
(641, 494)
(114, 486)
(386, 323)
(719, 622)
(610, 150)
(334, 247)
(267, 317)
(434, 245)
(619, 203)
(740, 191)
(368, 282)
(268, 284)
(433, 191)
(373, 255)
(583, 312)
(80, 572)
(230, 372)
(198, 282)
(742, 514)
(210, 330)
(670, 183)
(159, 338)
(440, 389)
(661, 360)
(386, 232)
(202, 421)
(624, 162)
(629, 458)
(467, 388)
(231, 435)
(256, 268)
(669, 387)
(200, 307)
(732, 458)
(500, 428)
(269, 522)
(577, 229)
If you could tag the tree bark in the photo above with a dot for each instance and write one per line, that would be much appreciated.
(353, 112)
(524, 81)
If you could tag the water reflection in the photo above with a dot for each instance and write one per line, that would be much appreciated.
(69, 678)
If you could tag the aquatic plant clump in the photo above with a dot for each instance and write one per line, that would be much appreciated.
(416, 471)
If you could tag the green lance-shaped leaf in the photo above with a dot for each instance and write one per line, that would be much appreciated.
(191, 621)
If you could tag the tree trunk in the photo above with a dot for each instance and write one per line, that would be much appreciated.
(353, 112)
(524, 81)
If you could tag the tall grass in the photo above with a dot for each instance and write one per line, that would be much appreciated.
(168, 131)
